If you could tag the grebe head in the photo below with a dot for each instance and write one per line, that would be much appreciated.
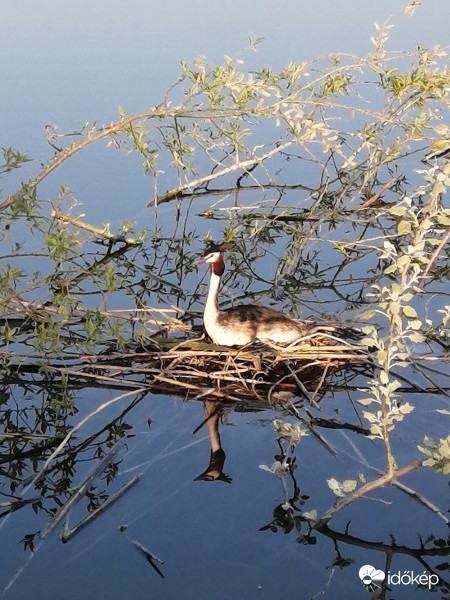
(213, 254)
(209, 257)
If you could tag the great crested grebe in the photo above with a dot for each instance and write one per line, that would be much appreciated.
(245, 323)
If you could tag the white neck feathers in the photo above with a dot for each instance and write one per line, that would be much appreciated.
(212, 306)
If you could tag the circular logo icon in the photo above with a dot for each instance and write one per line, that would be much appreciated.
(369, 574)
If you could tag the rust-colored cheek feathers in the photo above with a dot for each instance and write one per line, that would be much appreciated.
(218, 267)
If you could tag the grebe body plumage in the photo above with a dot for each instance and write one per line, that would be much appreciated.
(245, 323)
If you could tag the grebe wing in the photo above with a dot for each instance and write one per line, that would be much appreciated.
(260, 323)
(255, 314)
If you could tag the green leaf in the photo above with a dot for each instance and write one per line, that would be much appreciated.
(391, 269)
(369, 417)
(394, 307)
(333, 484)
(368, 329)
(348, 485)
(403, 227)
(375, 430)
(438, 188)
(441, 129)
(443, 220)
(381, 356)
(367, 315)
(397, 211)
(403, 261)
(265, 468)
(417, 337)
(365, 401)
(384, 377)
(428, 442)
(440, 145)
(409, 312)
(310, 515)
(394, 385)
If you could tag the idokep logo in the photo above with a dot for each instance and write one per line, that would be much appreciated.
(372, 578)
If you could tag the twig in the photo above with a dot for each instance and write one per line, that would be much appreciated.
(302, 388)
(437, 511)
(341, 503)
(149, 556)
(327, 585)
(113, 129)
(69, 533)
(101, 232)
(66, 507)
(375, 197)
(319, 385)
(380, 547)
(127, 382)
(217, 174)
(315, 433)
(434, 257)
(441, 390)
(78, 426)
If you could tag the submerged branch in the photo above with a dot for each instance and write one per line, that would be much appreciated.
(421, 499)
(69, 533)
(363, 491)
(390, 548)
(78, 426)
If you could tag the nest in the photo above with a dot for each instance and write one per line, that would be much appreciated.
(193, 368)
(262, 372)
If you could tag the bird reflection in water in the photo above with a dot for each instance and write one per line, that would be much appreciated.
(214, 471)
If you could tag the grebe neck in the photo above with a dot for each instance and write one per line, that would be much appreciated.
(217, 269)
(212, 304)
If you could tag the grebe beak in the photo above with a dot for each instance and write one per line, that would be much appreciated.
(210, 257)
(213, 253)
(201, 260)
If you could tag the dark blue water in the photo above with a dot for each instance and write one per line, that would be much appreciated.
(207, 533)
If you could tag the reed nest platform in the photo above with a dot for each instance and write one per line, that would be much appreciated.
(194, 368)
(263, 372)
